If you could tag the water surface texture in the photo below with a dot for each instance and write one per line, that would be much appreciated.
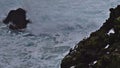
(57, 26)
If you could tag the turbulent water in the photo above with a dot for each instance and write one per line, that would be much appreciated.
(57, 25)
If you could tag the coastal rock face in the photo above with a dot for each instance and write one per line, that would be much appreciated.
(101, 49)
(16, 19)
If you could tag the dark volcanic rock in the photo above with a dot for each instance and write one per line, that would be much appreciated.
(16, 19)
(101, 49)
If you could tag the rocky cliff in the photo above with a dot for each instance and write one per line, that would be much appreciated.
(101, 49)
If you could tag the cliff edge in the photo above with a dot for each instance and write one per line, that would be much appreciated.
(101, 49)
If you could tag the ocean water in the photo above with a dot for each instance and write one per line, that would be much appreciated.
(57, 26)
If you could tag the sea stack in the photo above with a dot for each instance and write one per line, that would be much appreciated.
(16, 19)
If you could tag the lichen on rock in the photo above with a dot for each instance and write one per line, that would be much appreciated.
(93, 52)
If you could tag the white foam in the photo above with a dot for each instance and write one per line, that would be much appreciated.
(71, 20)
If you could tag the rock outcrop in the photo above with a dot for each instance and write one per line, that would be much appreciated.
(101, 49)
(16, 19)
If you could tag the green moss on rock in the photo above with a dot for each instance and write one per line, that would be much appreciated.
(92, 51)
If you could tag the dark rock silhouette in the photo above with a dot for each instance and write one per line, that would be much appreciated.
(16, 19)
(100, 50)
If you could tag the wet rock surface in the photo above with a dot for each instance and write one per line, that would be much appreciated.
(16, 19)
(101, 49)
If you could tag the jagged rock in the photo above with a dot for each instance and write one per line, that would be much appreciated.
(16, 19)
(100, 50)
